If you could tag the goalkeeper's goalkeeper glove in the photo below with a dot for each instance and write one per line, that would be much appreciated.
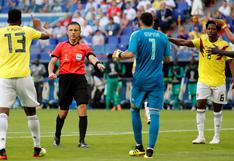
(117, 54)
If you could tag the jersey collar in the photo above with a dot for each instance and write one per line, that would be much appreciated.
(73, 44)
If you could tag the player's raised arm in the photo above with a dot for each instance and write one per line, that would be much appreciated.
(225, 27)
(229, 34)
(181, 42)
(37, 25)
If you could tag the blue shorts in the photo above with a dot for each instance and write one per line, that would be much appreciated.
(154, 98)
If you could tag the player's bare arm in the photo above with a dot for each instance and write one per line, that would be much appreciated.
(37, 25)
(231, 66)
(181, 42)
(229, 34)
(118, 54)
(225, 27)
(220, 52)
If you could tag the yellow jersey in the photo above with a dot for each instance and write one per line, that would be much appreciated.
(15, 50)
(211, 68)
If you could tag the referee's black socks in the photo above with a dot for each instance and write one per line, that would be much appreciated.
(83, 122)
(59, 126)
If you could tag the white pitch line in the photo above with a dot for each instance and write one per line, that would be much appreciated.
(107, 133)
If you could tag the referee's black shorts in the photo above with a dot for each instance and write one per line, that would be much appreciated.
(72, 86)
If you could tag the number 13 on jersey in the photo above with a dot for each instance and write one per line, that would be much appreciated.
(20, 39)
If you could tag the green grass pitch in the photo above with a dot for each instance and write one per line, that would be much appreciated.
(110, 137)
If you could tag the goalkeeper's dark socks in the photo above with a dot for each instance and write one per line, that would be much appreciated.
(83, 123)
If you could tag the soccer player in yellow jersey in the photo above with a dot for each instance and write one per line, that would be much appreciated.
(212, 81)
(15, 79)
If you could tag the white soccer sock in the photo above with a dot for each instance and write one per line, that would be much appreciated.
(218, 117)
(3, 130)
(200, 122)
(34, 127)
(147, 114)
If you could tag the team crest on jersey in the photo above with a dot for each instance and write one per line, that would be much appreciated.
(78, 56)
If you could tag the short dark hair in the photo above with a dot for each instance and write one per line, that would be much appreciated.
(147, 19)
(14, 16)
(213, 22)
(74, 23)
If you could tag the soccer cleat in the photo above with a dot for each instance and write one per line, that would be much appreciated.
(83, 145)
(39, 152)
(199, 140)
(139, 150)
(3, 155)
(215, 140)
(149, 153)
(56, 141)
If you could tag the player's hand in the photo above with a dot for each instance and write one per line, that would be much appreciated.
(52, 76)
(212, 50)
(220, 22)
(36, 23)
(101, 67)
(116, 54)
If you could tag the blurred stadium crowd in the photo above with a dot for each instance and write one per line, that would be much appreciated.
(107, 24)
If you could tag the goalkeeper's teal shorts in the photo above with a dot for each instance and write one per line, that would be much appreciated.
(154, 97)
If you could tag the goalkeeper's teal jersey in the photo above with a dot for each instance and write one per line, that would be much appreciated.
(149, 47)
